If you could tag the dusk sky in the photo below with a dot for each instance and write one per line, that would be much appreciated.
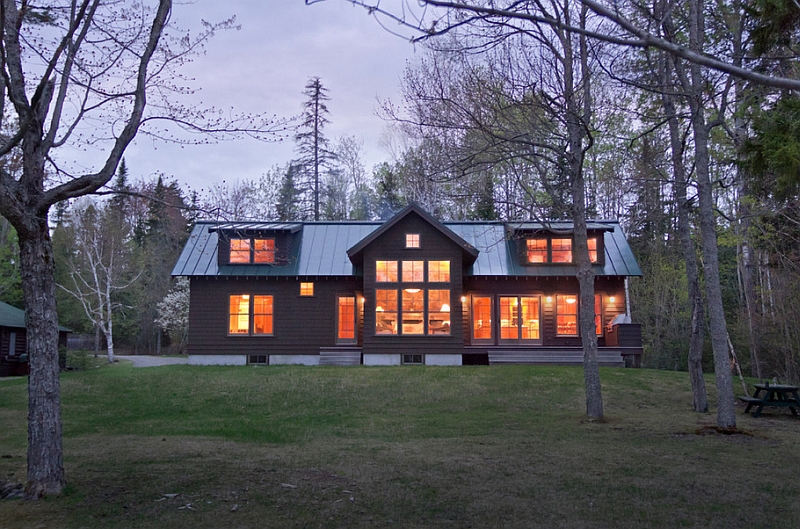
(264, 67)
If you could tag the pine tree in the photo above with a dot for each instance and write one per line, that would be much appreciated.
(312, 145)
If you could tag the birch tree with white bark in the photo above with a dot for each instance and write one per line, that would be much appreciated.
(99, 264)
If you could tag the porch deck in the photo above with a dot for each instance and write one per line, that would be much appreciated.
(606, 356)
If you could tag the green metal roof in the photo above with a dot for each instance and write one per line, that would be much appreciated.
(11, 316)
(321, 249)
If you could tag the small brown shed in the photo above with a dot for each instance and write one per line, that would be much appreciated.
(14, 343)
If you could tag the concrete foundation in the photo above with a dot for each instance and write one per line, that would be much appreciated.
(300, 360)
(382, 359)
(217, 360)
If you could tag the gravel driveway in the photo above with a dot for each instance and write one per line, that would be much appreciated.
(152, 361)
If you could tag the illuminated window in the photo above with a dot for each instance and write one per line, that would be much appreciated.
(306, 289)
(413, 271)
(240, 311)
(246, 251)
(537, 250)
(262, 314)
(519, 317)
(386, 271)
(592, 249)
(240, 251)
(561, 250)
(412, 240)
(239, 314)
(529, 318)
(482, 318)
(264, 250)
(386, 312)
(439, 271)
(438, 312)
(598, 314)
(346, 316)
(413, 308)
(567, 315)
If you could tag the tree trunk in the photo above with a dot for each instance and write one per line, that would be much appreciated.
(696, 334)
(45, 454)
(726, 417)
(109, 327)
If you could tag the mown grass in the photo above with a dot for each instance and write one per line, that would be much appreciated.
(504, 446)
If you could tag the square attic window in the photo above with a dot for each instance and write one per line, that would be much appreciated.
(412, 240)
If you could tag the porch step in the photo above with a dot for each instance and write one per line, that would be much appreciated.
(552, 357)
(340, 356)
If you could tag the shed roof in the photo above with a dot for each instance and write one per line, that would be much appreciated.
(11, 316)
(321, 249)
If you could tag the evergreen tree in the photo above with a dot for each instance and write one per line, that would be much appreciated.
(286, 207)
(315, 157)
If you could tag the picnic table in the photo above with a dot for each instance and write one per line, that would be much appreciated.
(772, 395)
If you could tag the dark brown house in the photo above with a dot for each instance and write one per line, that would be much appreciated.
(14, 341)
(411, 290)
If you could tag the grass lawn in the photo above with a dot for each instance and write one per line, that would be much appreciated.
(483, 447)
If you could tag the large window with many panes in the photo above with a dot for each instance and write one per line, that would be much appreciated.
(250, 315)
(567, 315)
(520, 318)
(412, 297)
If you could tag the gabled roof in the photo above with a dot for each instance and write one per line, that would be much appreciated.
(326, 249)
(11, 316)
(470, 252)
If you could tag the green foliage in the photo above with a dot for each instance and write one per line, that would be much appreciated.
(773, 152)
(659, 300)
(10, 278)
(773, 24)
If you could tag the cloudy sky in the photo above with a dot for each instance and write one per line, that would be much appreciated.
(264, 66)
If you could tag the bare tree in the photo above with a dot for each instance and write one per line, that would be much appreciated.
(77, 72)
(530, 98)
(615, 23)
(99, 265)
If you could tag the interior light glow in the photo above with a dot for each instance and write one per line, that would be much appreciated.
(445, 307)
(412, 290)
(570, 300)
(612, 299)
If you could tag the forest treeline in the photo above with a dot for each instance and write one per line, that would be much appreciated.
(475, 136)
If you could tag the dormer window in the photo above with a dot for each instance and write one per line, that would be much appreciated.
(537, 250)
(252, 250)
(561, 250)
(543, 250)
(592, 249)
(412, 240)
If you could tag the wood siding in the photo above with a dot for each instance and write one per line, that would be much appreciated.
(544, 287)
(433, 246)
(301, 325)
